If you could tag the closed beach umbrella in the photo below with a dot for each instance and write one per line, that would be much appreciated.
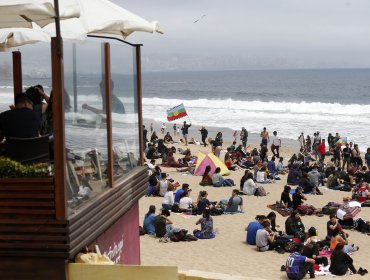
(14, 37)
(21, 13)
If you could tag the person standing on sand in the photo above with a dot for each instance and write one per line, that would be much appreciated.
(204, 133)
(276, 144)
(185, 132)
(244, 138)
(235, 135)
(174, 129)
(321, 148)
(265, 136)
(163, 128)
(301, 140)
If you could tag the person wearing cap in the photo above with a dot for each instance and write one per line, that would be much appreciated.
(312, 249)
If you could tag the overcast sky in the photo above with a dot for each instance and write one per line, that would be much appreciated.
(248, 34)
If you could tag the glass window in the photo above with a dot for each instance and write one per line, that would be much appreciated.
(125, 124)
(85, 122)
(6, 81)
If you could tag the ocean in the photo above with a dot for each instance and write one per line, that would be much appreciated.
(288, 101)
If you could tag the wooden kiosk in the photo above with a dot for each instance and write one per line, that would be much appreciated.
(98, 174)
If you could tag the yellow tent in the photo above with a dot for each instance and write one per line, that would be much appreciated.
(210, 159)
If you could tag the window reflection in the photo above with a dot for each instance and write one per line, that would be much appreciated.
(125, 127)
(85, 125)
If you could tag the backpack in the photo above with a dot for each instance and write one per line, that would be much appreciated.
(260, 191)
(216, 212)
(179, 236)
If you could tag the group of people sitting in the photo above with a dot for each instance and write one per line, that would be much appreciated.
(162, 227)
(304, 246)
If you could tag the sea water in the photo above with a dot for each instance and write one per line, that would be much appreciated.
(288, 101)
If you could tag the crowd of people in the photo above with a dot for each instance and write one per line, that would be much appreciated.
(307, 172)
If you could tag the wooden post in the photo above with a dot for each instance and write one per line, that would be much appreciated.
(17, 72)
(108, 108)
(139, 103)
(57, 69)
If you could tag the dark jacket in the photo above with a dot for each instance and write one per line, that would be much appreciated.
(340, 262)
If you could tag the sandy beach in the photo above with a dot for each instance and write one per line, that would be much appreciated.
(228, 253)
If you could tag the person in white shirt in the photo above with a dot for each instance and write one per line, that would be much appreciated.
(301, 140)
(168, 199)
(186, 203)
(249, 187)
(276, 144)
(163, 184)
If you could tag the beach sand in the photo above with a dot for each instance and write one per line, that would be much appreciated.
(228, 253)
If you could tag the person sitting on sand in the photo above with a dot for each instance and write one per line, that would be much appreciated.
(164, 228)
(162, 149)
(252, 229)
(168, 199)
(297, 266)
(149, 218)
(163, 185)
(272, 219)
(203, 202)
(271, 166)
(186, 203)
(167, 139)
(294, 176)
(152, 185)
(340, 262)
(285, 197)
(219, 181)
(312, 249)
(281, 169)
(235, 203)
(207, 177)
(172, 162)
(249, 187)
(293, 224)
(154, 138)
(265, 238)
(262, 176)
(178, 195)
(307, 186)
(333, 227)
(206, 226)
(336, 239)
(299, 205)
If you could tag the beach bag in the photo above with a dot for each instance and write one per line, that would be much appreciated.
(175, 208)
(190, 237)
(260, 191)
(179, 236)
(329, 210)
(216, 212)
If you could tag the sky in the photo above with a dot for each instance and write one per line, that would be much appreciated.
(254, 34)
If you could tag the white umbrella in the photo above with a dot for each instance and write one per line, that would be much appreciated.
(21, 13)
(14, 37)
(104, 17)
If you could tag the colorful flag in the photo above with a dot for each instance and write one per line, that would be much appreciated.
(176, 112)
(341, 142)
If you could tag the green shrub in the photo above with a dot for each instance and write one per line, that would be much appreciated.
(13, 169)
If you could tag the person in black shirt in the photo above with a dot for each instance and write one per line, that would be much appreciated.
(340, 261)
(204, 133)
(117, 105)
(21, 122)
(298, 198)
(346, 155)
(185, 132)
(285, 197)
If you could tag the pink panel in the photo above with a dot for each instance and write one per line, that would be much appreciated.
(121, 242)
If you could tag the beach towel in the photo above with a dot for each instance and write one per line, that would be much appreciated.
(282, 211)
